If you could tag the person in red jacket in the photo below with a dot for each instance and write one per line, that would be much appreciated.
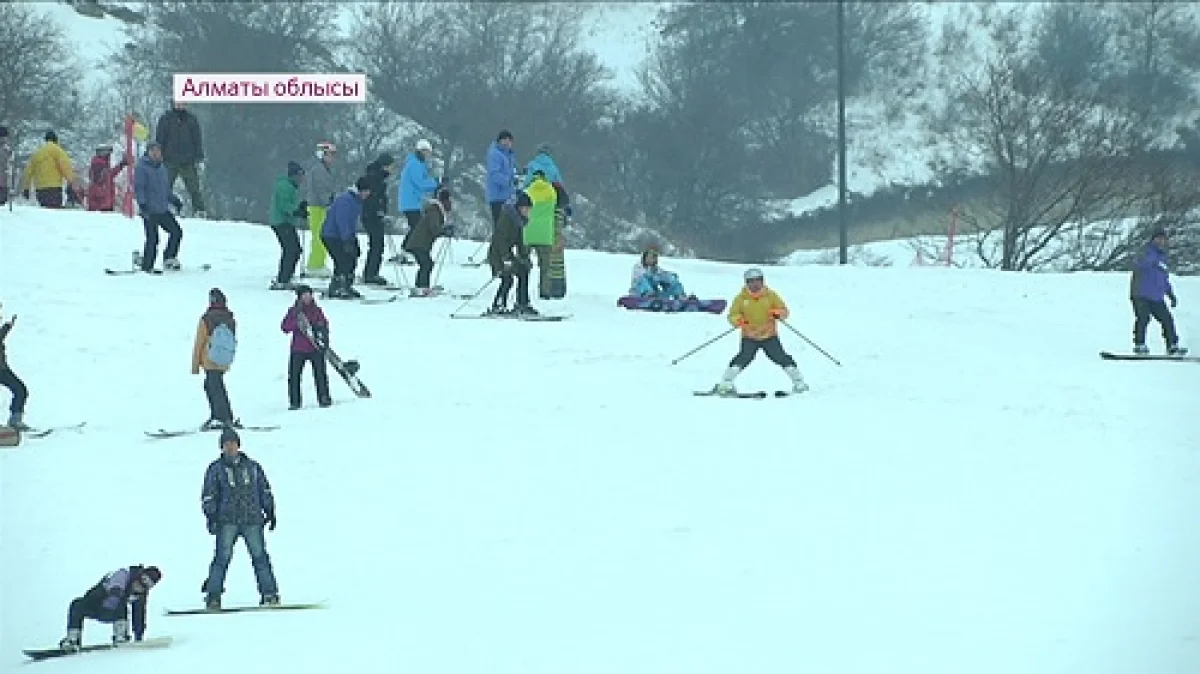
(304, 350)
(102, 176)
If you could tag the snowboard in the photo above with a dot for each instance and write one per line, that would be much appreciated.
(558, 274)
(244, 609)
(346, 369)
(43, 432)
(1108, 355)
(753, 395)
(671, 306)
(533, 318)
(156, 272)
(47, 653)
(163, 433)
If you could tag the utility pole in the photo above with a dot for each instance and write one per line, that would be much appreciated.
(843, 234)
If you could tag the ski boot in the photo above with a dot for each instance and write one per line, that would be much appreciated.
(1141, 349)
(524, 310)
(725, 387)
(16, 422)
(346, 288)
(121, 632)
(269, 600)
(71, 642)
(212, 602)
(1176, 350)
(798, 384)
(282, 285)
(375, 280)
(172, 264)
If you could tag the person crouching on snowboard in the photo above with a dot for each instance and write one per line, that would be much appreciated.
(509, 257)
(237, 502)
(340, 236)
(108, 602)
(303, 349)
(420, 239)
(755, 310)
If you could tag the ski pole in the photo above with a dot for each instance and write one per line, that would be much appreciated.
(472, 297)
(702, 346)
(397, 271)
(471, 257)
(440, 262)
(811, 343)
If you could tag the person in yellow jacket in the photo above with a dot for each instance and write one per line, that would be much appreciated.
(756, 310)
(48, 168)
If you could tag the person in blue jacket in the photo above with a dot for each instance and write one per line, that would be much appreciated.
(542, 162)
(502, 178)
(339, 233)
(416, 183)
(152, 190)
(1149, 288)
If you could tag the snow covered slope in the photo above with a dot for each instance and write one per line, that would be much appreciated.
(974, 491)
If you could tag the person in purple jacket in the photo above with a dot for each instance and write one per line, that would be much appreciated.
(1149, 288)
(303, 349)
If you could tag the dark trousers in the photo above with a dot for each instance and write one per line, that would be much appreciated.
(218, 398)
(191, 181)
(50, 197)
(771, 346)
(152, 222)
(543, 263)
(20, 394)
(289, 251)
(496, 208)
(374, 227)
(1143, 311)
(506, 283)
(424, 266)
(344, 261)
(413, 217)
(82, 608)
(3, 194)
(296, 370)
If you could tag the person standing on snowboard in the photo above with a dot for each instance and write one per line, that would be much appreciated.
(304, 350)
(509, 257)
(152, 190)
(340, 234)
(286, 206)
(108, 602)
(1149, 288)
(213, 334)
(756, 310)
(420, 239)
(373, 217)
(10, 380)
(237, 503)
(320, 188)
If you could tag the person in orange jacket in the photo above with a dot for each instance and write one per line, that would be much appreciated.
(755, 310)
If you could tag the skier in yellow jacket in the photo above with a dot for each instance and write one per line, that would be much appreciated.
(755, 310)
(48, 168)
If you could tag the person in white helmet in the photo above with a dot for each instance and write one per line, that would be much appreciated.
(416, 183)
(756, 310)
(317, 193)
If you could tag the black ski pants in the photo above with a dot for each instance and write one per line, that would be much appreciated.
(424, 259)
(1143, 311)
(218, 398)
(10, 381)
(375, 231)
(289, 251)
(152, 222)
(770, 346)
(506, 283)
(497, 207)
(296, 371)
(344, 261)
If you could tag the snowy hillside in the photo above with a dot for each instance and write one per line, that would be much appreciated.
(973, 491)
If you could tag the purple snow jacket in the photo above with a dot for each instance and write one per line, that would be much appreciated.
(315, 316)
(1151, 280)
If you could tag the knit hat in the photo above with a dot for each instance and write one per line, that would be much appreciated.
(524, 200)
(153, 144)
(51, 136)
(215, 296)
(295, 169)
(384, 160)
(153, 574)
(1157, 233)
(753, 273)
(362, 184)
(3, 132)
(301, 289)
(229, 435)
(505, 134)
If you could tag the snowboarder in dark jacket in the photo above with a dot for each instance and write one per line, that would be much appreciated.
(304, 350)
(509, 257)
(1149, 289)
(108, 602)
(420, 239)
(237, 503)
(373, 216)
(10, 380)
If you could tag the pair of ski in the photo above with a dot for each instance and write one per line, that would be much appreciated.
(753, 395)
(156, 272)
(364, 300)
(435, 292)
(163, 433)
(528, 318)
(43, 432)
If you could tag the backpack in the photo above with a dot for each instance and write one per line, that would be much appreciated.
(222, 346)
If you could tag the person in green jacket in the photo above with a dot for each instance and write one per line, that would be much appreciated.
(286, 206)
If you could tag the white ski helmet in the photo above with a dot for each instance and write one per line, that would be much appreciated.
(424, 146)
(325, 147)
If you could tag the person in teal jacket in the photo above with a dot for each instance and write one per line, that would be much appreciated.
(286, 206)
(544, 163)
(416, 184)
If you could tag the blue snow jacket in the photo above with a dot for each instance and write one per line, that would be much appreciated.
(341, 220)
(544, 163)
(150, 186)
(1151, 280)
(236, 491)
(415, 184)
(501, 167)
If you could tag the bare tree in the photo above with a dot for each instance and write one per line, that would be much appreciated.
(38, 72)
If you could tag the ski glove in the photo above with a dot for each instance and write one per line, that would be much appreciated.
(777, 313)
(1174, 302)
(176, 203)
(742, 323)
(270, 521)
(302, 210)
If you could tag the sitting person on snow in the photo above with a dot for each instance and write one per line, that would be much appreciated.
(651, 281)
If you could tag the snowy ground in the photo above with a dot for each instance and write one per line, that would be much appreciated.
(974, 491)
